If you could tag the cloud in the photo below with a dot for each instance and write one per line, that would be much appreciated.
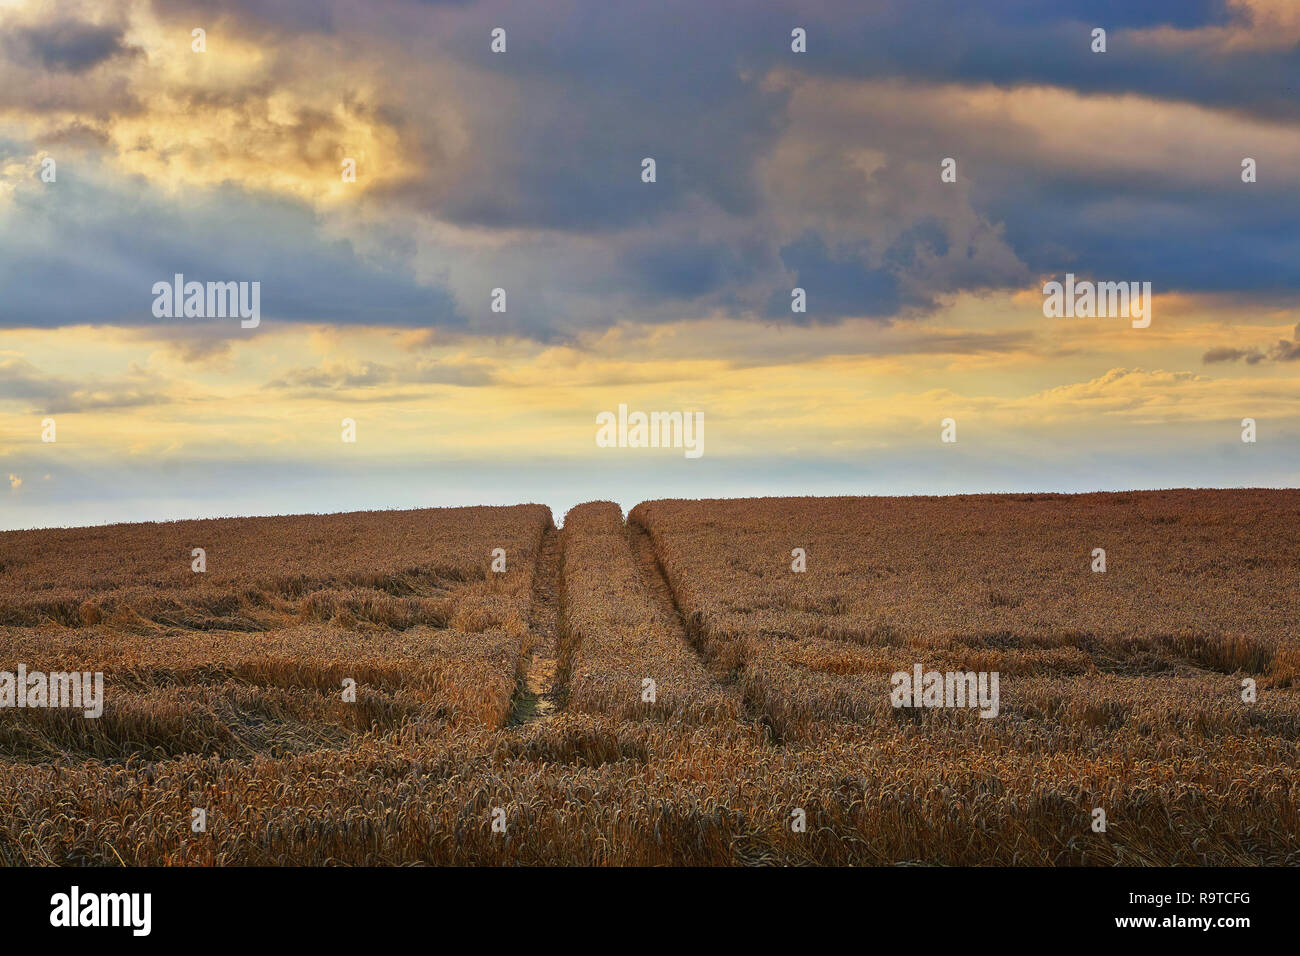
(1041, 186)
(1223, 354)
(190, 344)
(838, 284)
(351, 377)
(43, 393)
(77, 134)
(1156, 397)
(1284, 350)
(69, 46)
(522, 171)
(1255, 26)
(1287, 350)
(336, 375)
(92, 247)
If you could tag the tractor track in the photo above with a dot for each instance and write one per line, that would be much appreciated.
(538, 696)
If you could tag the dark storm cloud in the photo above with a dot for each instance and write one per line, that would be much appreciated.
(605, 90)
(1026, 42)
(690, 269)
(555, 131)
(608, 84)
(92, 255)
(1178, 241)
(837, 284)
(67, 46)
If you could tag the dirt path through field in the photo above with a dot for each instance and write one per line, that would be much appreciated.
(537, 699)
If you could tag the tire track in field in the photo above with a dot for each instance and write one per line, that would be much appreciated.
(664, 600)
(538, 696)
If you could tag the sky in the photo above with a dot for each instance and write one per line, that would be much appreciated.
(133, 150)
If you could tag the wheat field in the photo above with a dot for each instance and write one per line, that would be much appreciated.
(705, 702)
